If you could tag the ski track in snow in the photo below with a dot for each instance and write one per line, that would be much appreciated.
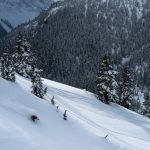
(77, 113)
(88, 120)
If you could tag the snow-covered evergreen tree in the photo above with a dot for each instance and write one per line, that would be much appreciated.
(28, 59)
(105, 81)
(37, 85)
(146, 104)
(23, 57)
(18, 55)
(125, 89)
(7, 68)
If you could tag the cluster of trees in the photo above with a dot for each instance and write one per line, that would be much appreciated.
(119, 91)
(23, 62)
(110, 87)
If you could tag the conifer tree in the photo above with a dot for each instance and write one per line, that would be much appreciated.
(146, 104)
(7, 68)
(105, 81)
(18, 55)
(125, 89)
(29, 59)
(23, 57)
(65, 115)
(52, 101)
(37, 85)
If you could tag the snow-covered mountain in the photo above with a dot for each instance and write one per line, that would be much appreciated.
(90, 125)
(75, 34)
(16, 12)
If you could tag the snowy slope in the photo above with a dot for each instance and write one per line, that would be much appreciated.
(89, 121)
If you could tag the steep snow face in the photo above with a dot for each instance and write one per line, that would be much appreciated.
(90, 125)
(20, 11)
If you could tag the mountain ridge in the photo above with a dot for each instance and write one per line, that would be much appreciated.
(17, 12)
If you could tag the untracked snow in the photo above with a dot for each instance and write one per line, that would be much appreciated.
(90, 125)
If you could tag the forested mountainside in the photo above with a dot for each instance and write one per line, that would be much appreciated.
(72, 35)
(2, 31)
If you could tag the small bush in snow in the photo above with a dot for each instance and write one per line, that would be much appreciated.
(65, 115)
(52, 101)
(57, 108)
